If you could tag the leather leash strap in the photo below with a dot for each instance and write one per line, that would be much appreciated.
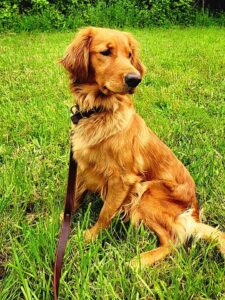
(69, 207)
(65, 227)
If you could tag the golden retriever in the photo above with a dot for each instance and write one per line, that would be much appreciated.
(118, 156)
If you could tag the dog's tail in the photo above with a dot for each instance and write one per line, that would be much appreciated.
(209, 233)
(186, 226)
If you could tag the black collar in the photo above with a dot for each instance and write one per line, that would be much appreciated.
(77, 115)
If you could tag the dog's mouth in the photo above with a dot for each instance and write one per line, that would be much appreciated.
(131, 90)
(108, 91)
(105, 90)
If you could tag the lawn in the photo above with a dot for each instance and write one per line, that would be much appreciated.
(181, 99)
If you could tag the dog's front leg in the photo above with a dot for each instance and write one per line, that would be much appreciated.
(115, 196)
(80, 192)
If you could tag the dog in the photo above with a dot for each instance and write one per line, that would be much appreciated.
(118, 156)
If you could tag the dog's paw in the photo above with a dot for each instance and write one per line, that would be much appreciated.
(61, 216)
(135, 263)
(222, 243)
(89, 235)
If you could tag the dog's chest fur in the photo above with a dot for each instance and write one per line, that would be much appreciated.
(103, 146)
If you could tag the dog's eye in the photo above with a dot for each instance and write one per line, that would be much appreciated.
(106, 52)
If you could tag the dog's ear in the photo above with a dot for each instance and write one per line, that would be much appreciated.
(76, 59)
(135, 60)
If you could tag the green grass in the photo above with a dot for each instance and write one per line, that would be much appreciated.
(181, 99)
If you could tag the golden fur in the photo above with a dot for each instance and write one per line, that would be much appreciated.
(119, 156)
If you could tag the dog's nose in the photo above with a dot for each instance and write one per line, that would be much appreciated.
(132, 79)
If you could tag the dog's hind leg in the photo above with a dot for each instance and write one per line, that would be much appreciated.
(158, 213)
(150, 257)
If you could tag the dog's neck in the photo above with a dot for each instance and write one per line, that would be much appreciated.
(88, 96)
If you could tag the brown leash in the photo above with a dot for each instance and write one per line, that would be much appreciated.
(65, 227)
(69, 207)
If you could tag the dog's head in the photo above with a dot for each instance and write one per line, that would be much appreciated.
(106, 57)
